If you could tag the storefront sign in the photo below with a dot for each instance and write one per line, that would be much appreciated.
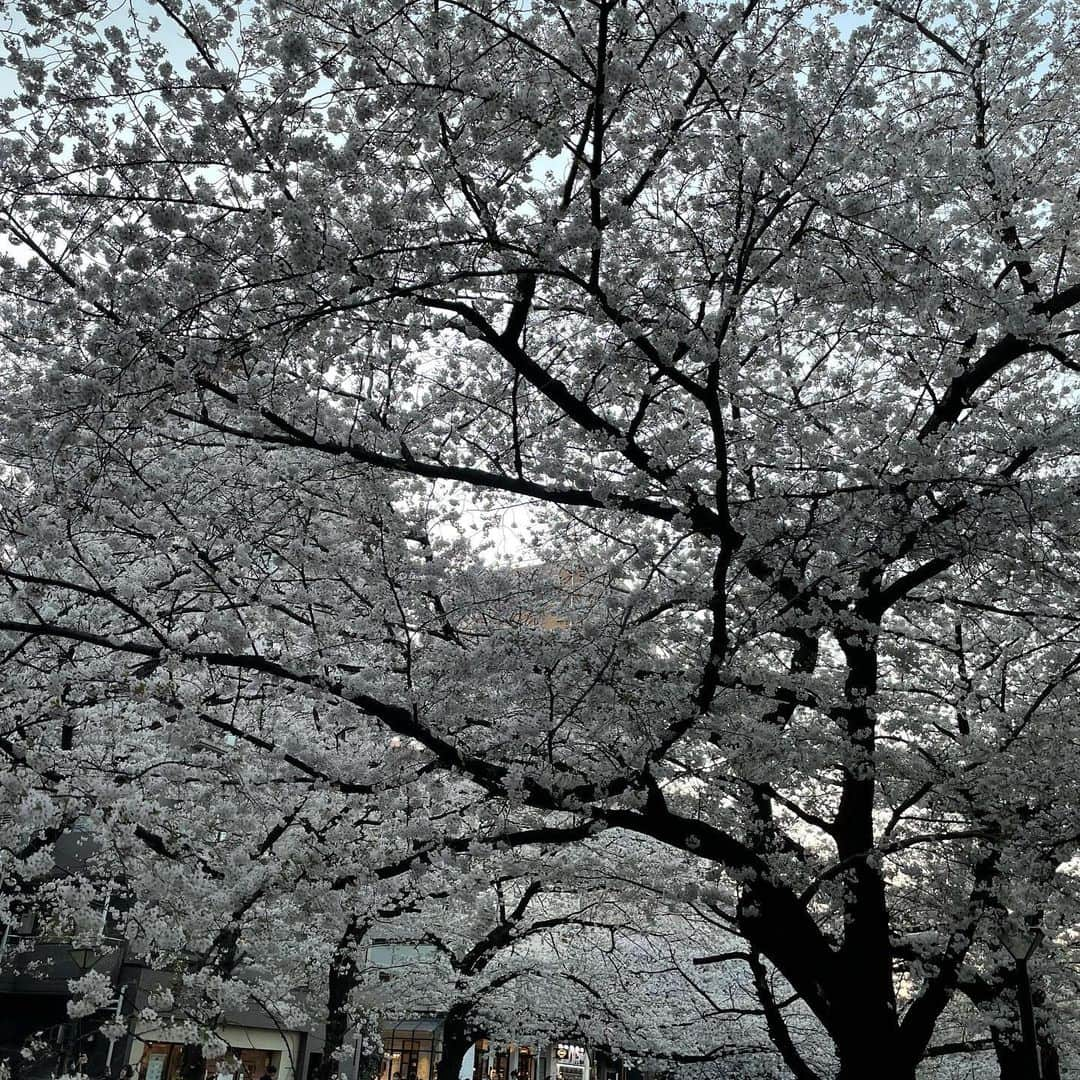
(568, 1054)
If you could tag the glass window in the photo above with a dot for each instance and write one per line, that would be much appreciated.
(480, 1060)
(254, 1063)
(160, 1061)
(493, 1062)
(525, 1063)
(392, 954)
(408, 1054)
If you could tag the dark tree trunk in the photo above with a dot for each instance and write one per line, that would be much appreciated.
(1014, 1060)
(457, 1036)
(344, 976)
(865, 1020)
(368, 1063)
(192, 1063)
(863, 1057)
(1051, 1062)
(1013, 1055)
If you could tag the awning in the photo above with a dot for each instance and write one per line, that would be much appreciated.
(427, 1026)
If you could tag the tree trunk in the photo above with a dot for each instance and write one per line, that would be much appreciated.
(1014, 1062)
(192, 1062)
(1013, 1056)
(863, 1057)
(865, 1022)
(1051, 1062)
(457, 1036)
(344, 976)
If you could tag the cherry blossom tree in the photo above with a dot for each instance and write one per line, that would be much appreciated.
(556, 947)
(760, 317)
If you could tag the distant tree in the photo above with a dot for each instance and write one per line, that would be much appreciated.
(761, 316)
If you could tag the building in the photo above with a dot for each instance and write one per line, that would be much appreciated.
(33, 1009)
(411, 1049)
(34, 993)
(36, 967)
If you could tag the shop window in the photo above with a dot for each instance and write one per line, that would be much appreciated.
(494, 1063)
(571, 1062)
(409, 1051)
(224, 1068)
(388, 955)
(480, 1060)
(160, 1061)
(165, 1061)
(245, 1064)
(525, 1064)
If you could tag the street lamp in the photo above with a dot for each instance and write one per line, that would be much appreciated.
(1021, 944)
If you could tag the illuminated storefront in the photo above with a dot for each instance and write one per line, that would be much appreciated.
(410, 1050)
(251, 1053)
(571, 1062)
(500, 1062)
